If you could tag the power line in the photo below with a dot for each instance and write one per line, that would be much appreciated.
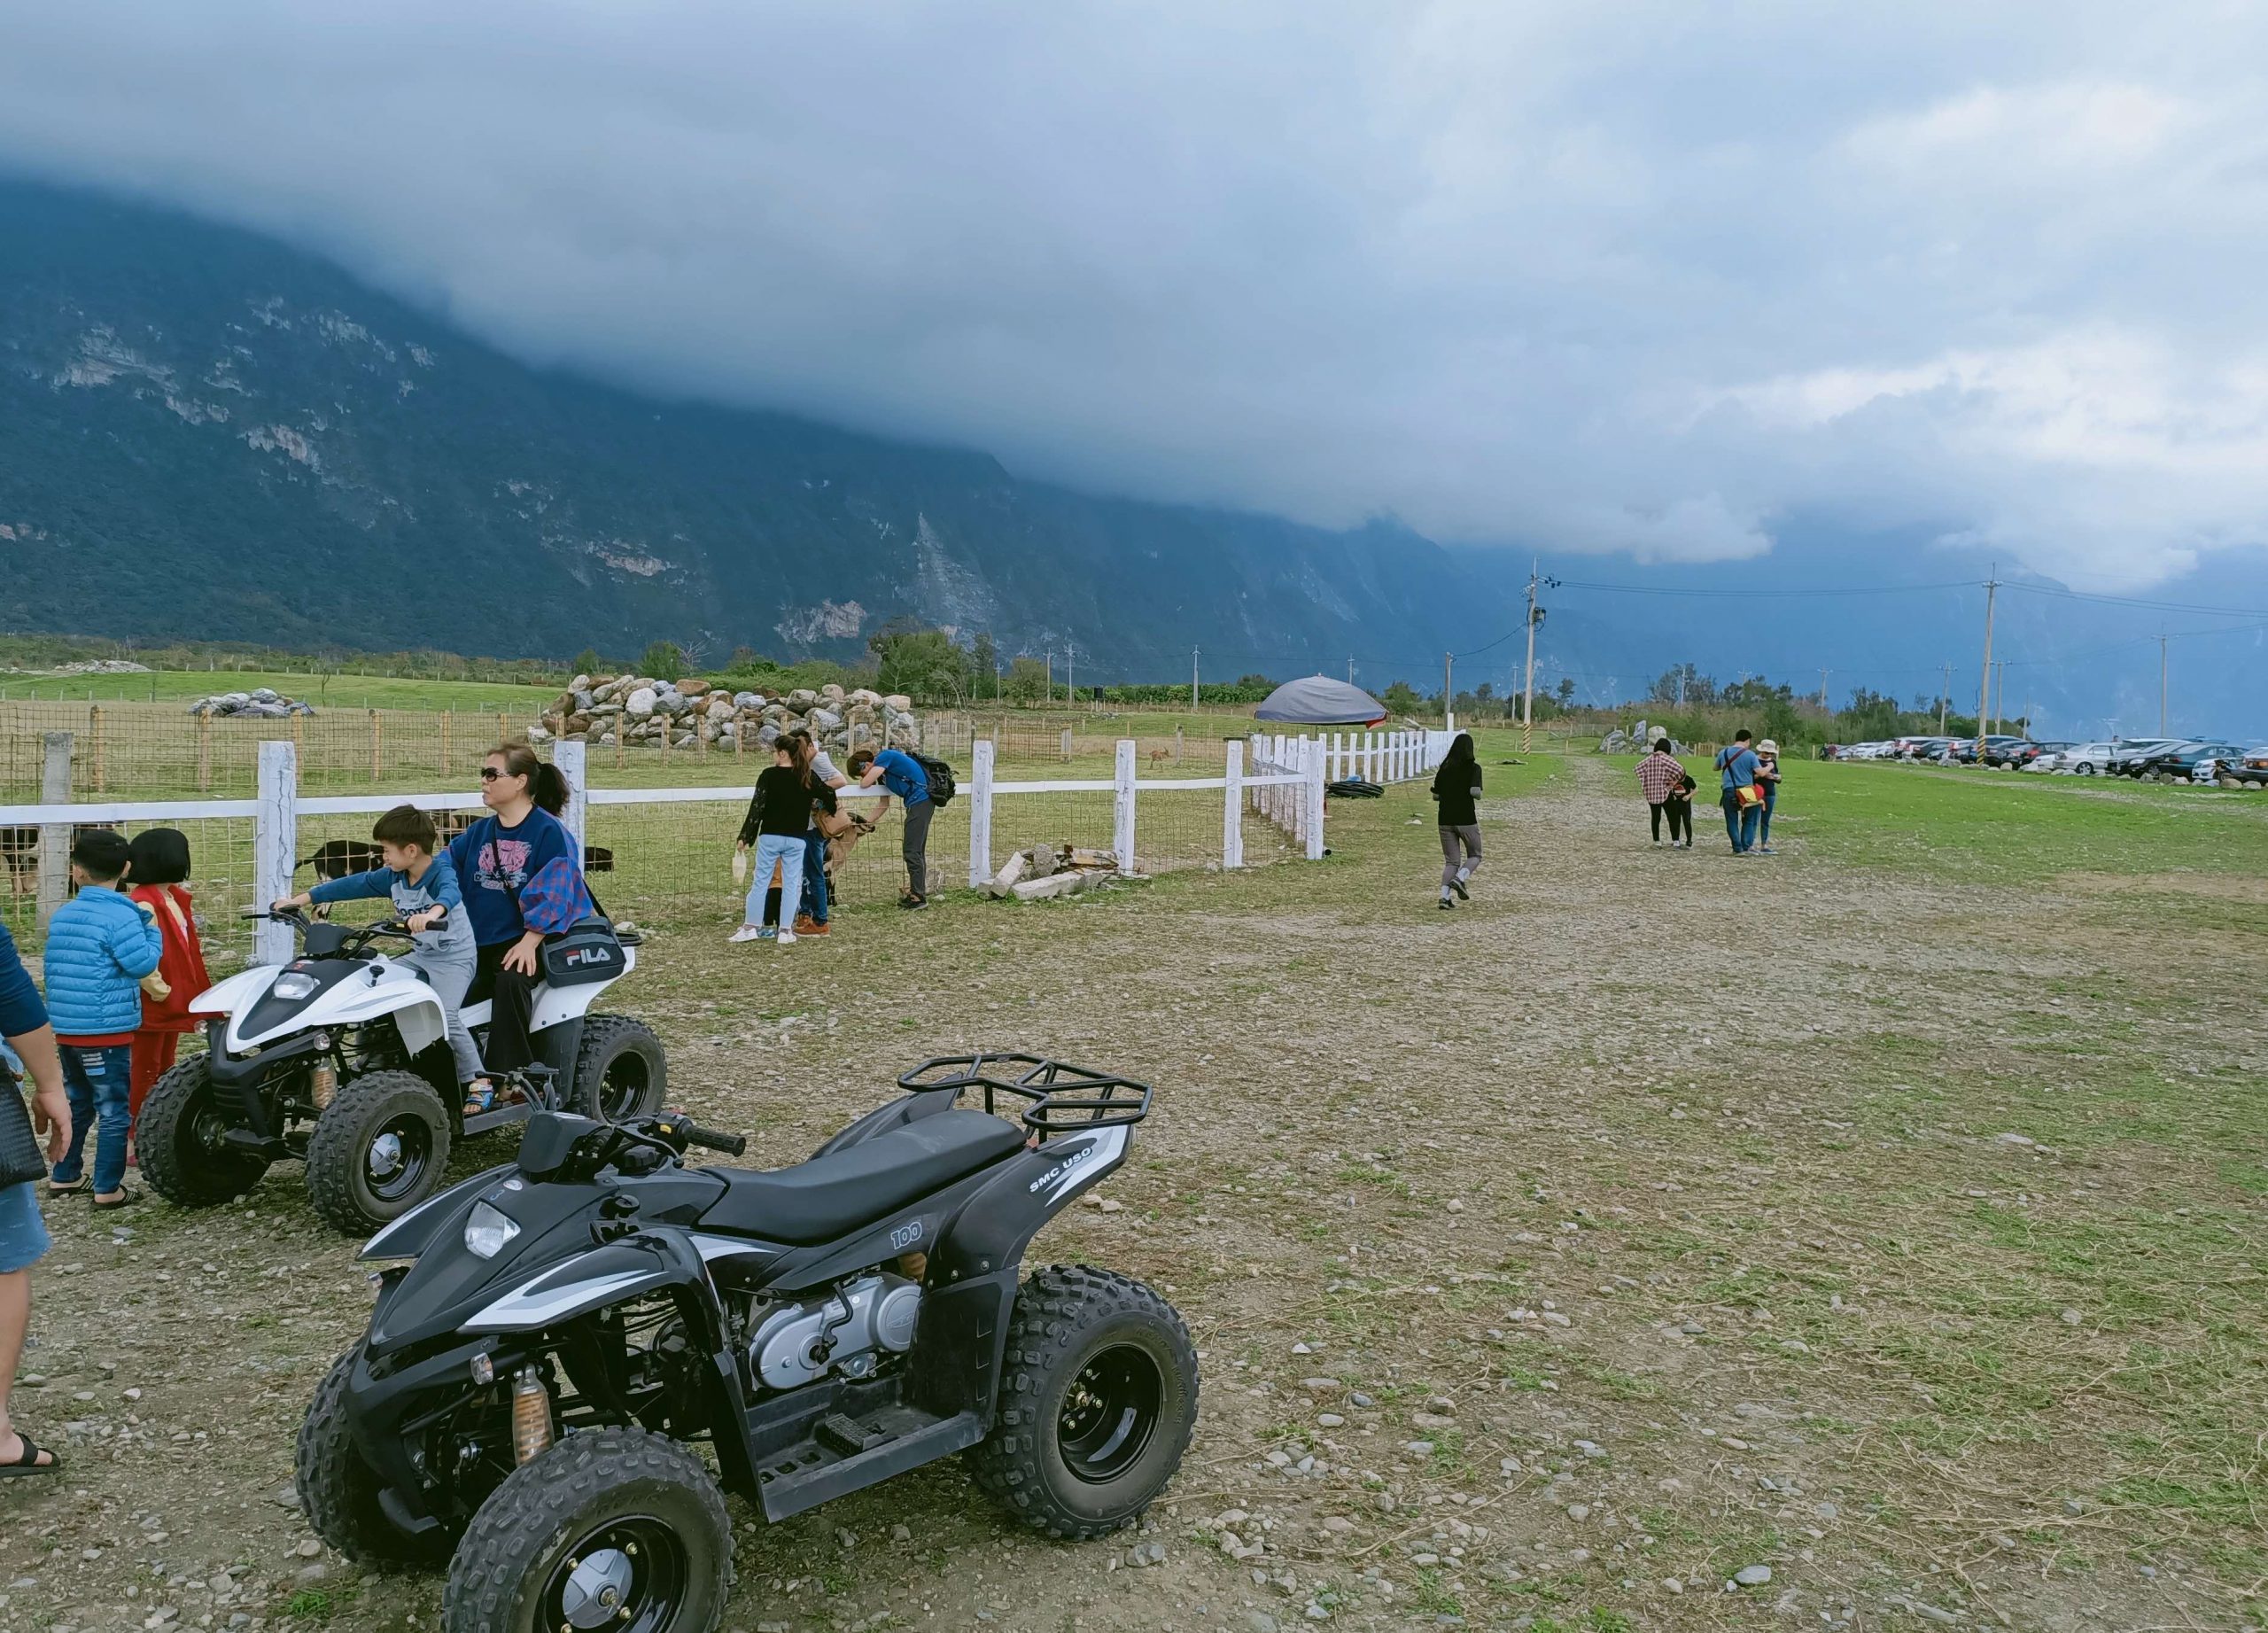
(1653, 589)
(2132, 600)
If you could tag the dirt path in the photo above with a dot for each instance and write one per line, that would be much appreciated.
(1648, 1220)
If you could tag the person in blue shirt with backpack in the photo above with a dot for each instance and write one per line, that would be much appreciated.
(1737, 765)
(902, 774)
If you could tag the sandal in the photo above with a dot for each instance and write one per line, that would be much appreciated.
(27, 1461)
(126, 1198)
(479, 1098)
(72, 1189)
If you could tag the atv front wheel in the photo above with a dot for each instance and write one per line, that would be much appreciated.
(619, 1071)
(614, 1527)
(377, 1151)
(1098, 1401)
(182, 1140)
(339, 1491)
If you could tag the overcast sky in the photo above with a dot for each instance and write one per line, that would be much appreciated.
(1651, 276)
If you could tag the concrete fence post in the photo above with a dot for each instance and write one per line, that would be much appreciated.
(980, 812)
(1313, 793)
(1232, 807)
(572, 763)
(54, 839)
(1122, 829)
(274, 845)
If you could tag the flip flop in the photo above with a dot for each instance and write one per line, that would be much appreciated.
(27, 1462)
(72, 1189)
(127, 1196)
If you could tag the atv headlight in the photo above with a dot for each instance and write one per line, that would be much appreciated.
(292, 985)
(486, 1230)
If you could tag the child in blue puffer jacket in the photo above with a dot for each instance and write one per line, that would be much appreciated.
(99, 945)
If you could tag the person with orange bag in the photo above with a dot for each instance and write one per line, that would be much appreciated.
(158, 875)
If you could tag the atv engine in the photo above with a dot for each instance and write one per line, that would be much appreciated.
(800, 1343)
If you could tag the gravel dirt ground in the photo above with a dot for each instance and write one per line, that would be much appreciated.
(1659, 1241)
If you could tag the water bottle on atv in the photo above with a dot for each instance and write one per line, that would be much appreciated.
(340, 1058)
(551, 1340)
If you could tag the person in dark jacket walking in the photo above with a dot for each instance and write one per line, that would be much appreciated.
(1456, 791)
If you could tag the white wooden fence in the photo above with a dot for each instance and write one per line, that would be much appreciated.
(1291, 783)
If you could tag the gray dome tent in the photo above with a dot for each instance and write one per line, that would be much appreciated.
(1319, 700)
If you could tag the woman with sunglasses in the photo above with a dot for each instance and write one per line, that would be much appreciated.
(522, 880)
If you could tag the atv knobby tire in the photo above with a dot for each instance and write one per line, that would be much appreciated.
(1067, 1320)
(619, 1071)
(177, 1139)
(565, 1498)
(339, 1491)
(339, 1181)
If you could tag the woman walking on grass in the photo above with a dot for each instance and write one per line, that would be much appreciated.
(1768, 784)
(1456, 790)
(1668, 793)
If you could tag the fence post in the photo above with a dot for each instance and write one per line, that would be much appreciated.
(376, 773)
(1177, 746)
(1232, 807)
(980, 812)
(445, 721)
(1067, 745)
(274, 845)
(204, 753)
(1123, 829)
(54, 841)
(569, 758)
(1313, 795)
(503, 729)
(95, 716)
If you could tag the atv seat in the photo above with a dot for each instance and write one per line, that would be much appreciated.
(832, 1196)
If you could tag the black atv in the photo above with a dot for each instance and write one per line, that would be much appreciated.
(564, 1327)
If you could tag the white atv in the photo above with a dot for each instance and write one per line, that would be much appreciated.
(341, 1058)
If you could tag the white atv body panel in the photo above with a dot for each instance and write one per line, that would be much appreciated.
(378, 989)
(555, 1003)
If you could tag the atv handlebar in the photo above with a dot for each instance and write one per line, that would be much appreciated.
(731, 1145)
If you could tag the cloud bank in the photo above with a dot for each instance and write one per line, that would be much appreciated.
(1648, 277)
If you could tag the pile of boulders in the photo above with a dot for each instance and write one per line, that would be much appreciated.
(267, 703)
(632, 710)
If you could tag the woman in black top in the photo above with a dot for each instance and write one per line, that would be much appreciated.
(779, 813)
(1456, 789)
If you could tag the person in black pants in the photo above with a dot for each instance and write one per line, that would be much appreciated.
(521, 875)
(1668, 790)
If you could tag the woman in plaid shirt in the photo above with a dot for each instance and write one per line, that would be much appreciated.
(1667, 788)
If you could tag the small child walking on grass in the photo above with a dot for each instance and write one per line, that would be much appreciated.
(421, 881)
(99, 945)
(1456, 790)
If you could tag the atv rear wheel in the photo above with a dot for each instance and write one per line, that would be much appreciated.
(619, 1071)
(1098, 1401)
(181, 1140)
(615, 1528)
(378, 1150)
(339, 1491)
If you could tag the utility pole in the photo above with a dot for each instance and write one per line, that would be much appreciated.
(1680, 686)
(1051, 675)
(1527, 690)
(1449, 692)
(2161, 686)
(1984, 682)
(1350, 669)
(1192, 677)
(1070, 691)
(1822, 686)
(1945, 696)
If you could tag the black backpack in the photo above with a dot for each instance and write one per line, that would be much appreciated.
(942, 787)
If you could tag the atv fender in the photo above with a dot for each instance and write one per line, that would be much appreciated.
(974, 1267)
(408, 1236)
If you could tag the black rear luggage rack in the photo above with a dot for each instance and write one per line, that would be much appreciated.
(1064, 1099)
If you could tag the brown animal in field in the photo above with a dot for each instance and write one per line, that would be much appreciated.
(1158, 757)
(450, 825)
(20, 852)
(337, 858)
(598, 858)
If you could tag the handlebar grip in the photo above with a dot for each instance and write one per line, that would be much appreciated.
(731, 1145)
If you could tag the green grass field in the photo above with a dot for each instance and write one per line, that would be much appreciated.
(342, 691)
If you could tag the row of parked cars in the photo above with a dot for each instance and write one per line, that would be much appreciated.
(2149, 759)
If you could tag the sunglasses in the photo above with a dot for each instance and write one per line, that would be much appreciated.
(489, 773)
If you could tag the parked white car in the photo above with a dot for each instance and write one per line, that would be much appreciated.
(2084, 760)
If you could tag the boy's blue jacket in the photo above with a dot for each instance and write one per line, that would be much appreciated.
(99, 946)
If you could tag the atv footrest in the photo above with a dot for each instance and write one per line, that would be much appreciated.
(482, 1122)
(256, 1145)
(845, 1454)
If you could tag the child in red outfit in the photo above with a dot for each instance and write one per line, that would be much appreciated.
(159, 867)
